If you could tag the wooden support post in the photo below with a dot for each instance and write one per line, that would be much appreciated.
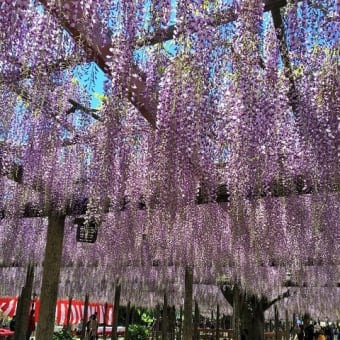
(132, 315)
(287, 328)
(180, 326)
(276, 322)
(50, 276)
(105, 317)
(69, 310)
(218, 322)
(158, 321)
(196, 322)
(236, 313)
(187, 324)
(127, 321)
(165, 317)
(21, 323)
(86, 309)
(173, 322)
(293, 94)
(116, 312)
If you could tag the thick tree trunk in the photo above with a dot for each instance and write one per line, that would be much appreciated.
(252, 319)
(21, 323)
(248, 311)
(187, 324)
(50, 277)
(115, 313)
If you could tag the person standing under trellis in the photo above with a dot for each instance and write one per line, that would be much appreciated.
(93, 327)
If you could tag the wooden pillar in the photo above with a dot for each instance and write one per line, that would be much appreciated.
(212, 323)
(196, 322)
(187, 324)
(276, 322)
(287, 328)
(218, 322)
(132, 315)
(69, 310)
(236, 313)
(105, 317)
(180, 325)
(21, 323)
(165, 318)
(127, 320)
(158, 321)
(86, 309)
(50, 276)
(116, 312)
(173, 322)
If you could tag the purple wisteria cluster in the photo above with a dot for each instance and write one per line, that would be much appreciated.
(224, 110)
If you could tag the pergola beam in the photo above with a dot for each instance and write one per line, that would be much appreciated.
(223, 18)
(293, 94)
(97, 45)
(79, 207)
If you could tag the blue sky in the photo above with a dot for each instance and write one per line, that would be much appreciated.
(96, 86)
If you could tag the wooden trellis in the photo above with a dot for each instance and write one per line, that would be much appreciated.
(97, 49)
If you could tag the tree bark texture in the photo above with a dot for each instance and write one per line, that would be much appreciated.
(248, 311)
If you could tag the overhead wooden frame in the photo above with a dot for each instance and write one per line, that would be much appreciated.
(98, 45)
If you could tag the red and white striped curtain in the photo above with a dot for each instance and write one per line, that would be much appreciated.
(9, 305)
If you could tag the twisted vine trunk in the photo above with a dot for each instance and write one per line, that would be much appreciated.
(248, 311)
(252, 319)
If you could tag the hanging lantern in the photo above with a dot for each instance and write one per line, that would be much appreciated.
(87, 230)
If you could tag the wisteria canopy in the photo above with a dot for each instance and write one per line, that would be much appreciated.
(215, 146)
